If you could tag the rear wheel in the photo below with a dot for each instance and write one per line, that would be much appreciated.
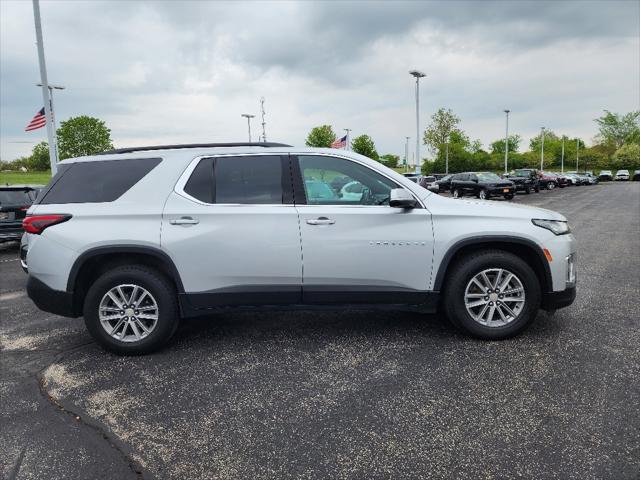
(537, 188)
(527, 190)
(492, 295)
(131, 310)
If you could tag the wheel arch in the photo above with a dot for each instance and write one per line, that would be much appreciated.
(94, 262)
(526, 249)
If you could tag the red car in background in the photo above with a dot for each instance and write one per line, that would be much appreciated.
(550, 180)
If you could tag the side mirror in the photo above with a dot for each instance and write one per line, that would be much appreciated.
(401, 198)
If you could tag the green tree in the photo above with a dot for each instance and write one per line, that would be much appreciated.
(321, 137)
(390, 160)
(364, 146)
(514, 144)
(627, 156)
(438, 133)
(476, 146)
(39, 159)
(619, 129)
(83, 135)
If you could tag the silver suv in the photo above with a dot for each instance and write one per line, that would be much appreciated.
(135, 239)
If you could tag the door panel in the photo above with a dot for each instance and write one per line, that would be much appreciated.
(360, 253)
(230, 254)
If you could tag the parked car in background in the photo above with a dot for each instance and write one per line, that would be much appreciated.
(429, 182)
(561, 179)
(605, 175)
(525, 180)
(622, 175)
(575, 179)
(15, 200)
(636, 176)
(481, 184)
(591, 178)
(444, 183)
(549, 181)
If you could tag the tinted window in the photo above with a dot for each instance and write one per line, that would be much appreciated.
(200, 183)
(15, 197)
(254, 179)
(102, 181)
(358, 185)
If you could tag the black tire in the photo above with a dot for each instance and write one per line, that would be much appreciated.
(484, 192)
(157, 285)
(457, 193)
(537, 188)
(551, 185)
(509, 196)
(527, 190)
(461, 274)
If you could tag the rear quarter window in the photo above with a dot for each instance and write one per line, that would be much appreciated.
(96, 182)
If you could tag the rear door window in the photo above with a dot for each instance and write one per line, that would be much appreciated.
(95, 182)
(249, 180)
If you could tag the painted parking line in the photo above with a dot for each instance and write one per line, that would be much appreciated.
(12, 295)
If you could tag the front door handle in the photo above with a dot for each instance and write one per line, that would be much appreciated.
(321, 221)
(184, 221)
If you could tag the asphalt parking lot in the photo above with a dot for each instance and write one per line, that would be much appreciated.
(348, 394)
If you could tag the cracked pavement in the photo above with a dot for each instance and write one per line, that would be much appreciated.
(348, 394)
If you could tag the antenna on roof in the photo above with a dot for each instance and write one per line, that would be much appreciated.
(264, 134)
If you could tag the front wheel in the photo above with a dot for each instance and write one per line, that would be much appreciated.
(483, 194)
(527, 190)
(131, 310)
(537, 189)
(551, 185)
(456, 193)
(492, 294)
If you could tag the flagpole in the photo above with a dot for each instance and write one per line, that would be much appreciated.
(347, 146)
(45, 88)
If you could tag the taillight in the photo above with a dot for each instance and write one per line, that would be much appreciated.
(37, 223)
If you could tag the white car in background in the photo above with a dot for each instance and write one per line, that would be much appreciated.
(622, 175)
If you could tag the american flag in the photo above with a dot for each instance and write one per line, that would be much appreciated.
(340, 143)
(38, 121)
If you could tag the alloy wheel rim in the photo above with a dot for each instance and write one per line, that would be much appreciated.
(456, 194)
(495, 297)
(483, 195)
(128, 313)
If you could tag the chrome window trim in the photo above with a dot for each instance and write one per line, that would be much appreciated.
(184, 178)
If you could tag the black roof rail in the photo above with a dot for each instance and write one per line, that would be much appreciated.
(193, 145)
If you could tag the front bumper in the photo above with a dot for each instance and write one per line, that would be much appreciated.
(501, 190)
(556, 300)
(50, 300)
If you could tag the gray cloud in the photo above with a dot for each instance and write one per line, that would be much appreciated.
(184, 71)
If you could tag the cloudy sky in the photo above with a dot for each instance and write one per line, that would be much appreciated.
(171, 72)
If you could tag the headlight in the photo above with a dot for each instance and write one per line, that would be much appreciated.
(556, 226)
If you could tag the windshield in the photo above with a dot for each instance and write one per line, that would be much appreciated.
(15, 197)
(488, 177)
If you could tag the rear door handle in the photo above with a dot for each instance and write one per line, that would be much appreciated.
(321, 221)
(184, 221)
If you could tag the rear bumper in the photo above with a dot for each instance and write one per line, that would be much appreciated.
(11, 232)
(557, 300)
(50, 300)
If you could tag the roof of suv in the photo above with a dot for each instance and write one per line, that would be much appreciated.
(193, 145)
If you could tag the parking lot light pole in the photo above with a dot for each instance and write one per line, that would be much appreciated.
(446, 156)
(542, 150)
(562, 158)
(248, 116)
(347, 145)
(577, 148)
(418, 75)
(406, 154)
(53, 117)
(506, 145)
